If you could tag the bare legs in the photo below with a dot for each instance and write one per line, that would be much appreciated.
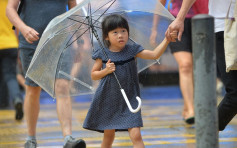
(184, 60)
(31, 108)
(64, 106)
(136, 137)
(134, 133)
(64, 110)
(108, 138)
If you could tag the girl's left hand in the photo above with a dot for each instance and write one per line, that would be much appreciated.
(174, 36)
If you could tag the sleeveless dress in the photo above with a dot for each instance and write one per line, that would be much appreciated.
(108, 109)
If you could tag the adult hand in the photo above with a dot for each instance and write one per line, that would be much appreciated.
(30, 34)
(176, 25)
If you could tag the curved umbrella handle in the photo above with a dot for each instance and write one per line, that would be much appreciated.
(128, 103)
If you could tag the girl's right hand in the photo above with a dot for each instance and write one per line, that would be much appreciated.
(174, 36)
(110, 67)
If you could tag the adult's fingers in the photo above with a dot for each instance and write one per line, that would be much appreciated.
(29, 41)
(180, 34)
(35, 35)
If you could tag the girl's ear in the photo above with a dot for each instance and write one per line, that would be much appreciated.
(107, 38)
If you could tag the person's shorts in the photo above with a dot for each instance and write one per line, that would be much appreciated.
(65, 65)
(26, 55)
(186, 41)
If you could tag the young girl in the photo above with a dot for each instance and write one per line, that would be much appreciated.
(109, 112)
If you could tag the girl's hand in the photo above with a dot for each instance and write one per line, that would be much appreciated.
(178, 25)
(110, 67)
(174, 36)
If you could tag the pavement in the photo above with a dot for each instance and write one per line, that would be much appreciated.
(161, 112)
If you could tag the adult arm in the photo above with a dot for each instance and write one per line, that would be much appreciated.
(178, 23)
(154, 26)
(11, 11)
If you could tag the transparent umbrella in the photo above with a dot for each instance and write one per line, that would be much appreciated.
(62, 61)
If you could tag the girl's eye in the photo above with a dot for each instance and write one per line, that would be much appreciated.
(124, 30)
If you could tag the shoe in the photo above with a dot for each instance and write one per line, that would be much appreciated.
(73, 143)
(30, 144)
(18, 109)
(190, 120)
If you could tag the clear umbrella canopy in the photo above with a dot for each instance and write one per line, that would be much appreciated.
(62, 61)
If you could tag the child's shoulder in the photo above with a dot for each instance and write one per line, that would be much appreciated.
(96, 53)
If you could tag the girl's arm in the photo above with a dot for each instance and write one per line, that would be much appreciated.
(97, 73)
(156, 53)
(159, 50)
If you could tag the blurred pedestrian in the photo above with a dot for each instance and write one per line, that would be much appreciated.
(20, 75)
(182, 52)
(33, 19)
(8, 60)
(227, 108)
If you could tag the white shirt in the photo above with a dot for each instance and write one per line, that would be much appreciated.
(219, 9)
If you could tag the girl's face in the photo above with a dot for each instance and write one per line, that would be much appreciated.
(117, 38)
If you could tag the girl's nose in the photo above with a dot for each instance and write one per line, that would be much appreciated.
(120, 35)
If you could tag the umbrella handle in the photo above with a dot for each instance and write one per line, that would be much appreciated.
(128, 103)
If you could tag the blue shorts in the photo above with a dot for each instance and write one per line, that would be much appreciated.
(26, 55)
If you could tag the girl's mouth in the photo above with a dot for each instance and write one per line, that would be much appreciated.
(121, 41)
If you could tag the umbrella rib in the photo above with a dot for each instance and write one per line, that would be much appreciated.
(103, 6)
(77, 80)
(74, 34)
(75, 39)
(86, 23)
(104, 11)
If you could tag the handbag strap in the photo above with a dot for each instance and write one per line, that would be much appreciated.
(235, 11)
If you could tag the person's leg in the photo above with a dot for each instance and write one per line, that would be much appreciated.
(108, 139)
(31, 108)
(227, 109)
(9, 75)
(3, 88)
(185, 63)
(136, 137)
(64, 110)
(64, 106)
(31, 102)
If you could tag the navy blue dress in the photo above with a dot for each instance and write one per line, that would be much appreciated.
(108, 109)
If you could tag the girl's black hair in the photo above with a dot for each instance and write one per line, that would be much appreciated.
(112, 22)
